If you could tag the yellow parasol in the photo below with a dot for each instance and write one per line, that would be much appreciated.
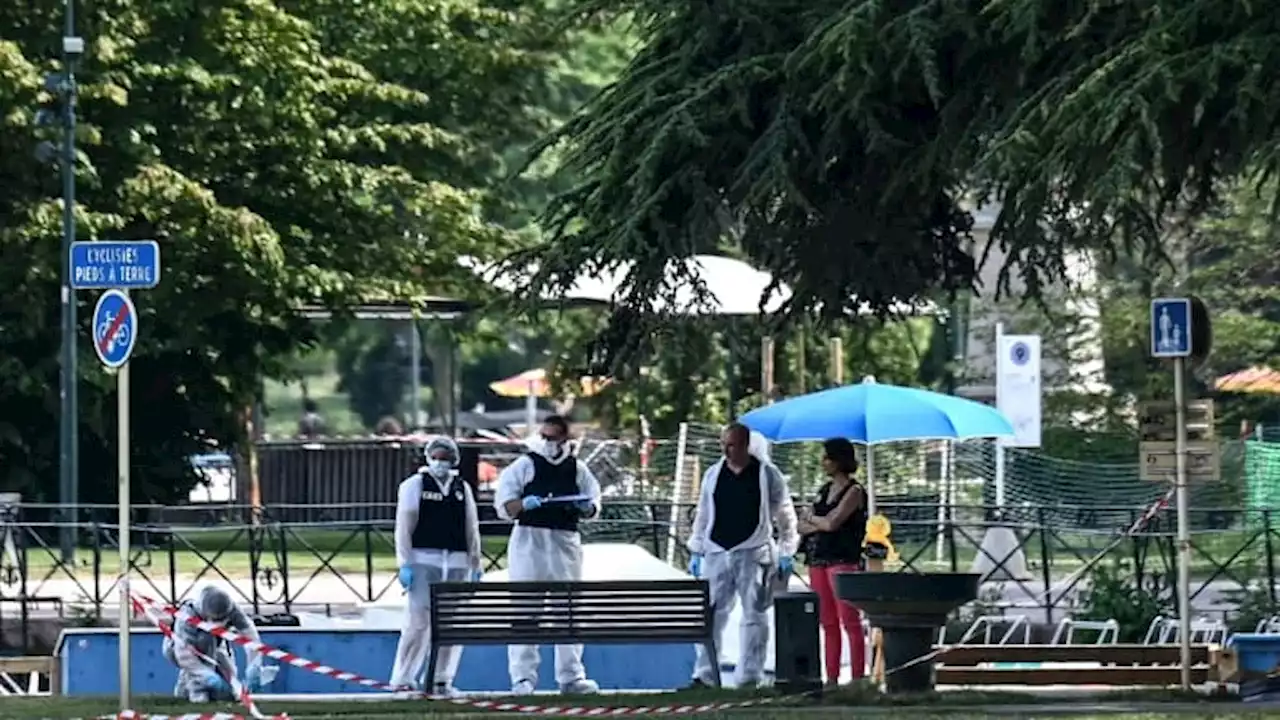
(535, 383)
(1256, 379)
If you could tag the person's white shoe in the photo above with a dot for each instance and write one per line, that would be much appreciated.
(445, 690)
(198, 696)
(580, 687)
(524, 687)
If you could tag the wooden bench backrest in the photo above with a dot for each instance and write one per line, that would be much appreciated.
(624, 611)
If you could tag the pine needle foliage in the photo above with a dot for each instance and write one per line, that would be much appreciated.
(841, 145)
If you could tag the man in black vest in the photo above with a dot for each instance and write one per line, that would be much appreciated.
(547, 492)
(437, 539)
(743, 497)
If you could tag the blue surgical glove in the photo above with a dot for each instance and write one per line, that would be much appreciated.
(218, 684)
(253, 677)
(786, 564)
(532, 502)
(477, 575)
(695, 565)
(585, 508)
(406, 576)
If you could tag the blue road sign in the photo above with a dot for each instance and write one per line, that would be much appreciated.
(1170, 327)
(115, 328)
(105, 265)
(1020, 354)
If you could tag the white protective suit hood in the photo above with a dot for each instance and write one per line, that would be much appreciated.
(758, 446)
(535, 444)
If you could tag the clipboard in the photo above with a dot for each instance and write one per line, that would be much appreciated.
(566, 499)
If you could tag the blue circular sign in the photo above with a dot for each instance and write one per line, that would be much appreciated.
(1020, 353)
(115, 328)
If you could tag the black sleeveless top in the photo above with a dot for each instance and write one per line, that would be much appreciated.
(842, 546)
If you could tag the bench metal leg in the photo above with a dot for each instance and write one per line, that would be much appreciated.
(713, 653)
(429, 680)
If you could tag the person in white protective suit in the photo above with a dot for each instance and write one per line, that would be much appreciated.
(743, 495)
(545, 542)
(207, 663)
(437, 540)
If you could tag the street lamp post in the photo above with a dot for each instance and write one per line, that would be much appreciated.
(68, 436)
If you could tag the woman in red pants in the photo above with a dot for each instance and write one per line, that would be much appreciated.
(835, 528)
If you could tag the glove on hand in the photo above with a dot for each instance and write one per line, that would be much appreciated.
(695, 565)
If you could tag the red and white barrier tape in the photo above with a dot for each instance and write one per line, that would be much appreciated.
(237, 688)
(480, 704)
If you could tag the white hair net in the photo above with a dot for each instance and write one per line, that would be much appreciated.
(758, 446)
(440, 442)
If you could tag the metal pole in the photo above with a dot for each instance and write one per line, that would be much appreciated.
(1184, 523)
(68, 440)
(122, 463)
(999, 441)
(415, 370)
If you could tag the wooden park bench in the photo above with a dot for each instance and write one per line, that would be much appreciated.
(1110, 665)
(568, 613)
(33, 668)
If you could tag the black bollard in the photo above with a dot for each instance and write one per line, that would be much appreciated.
(797, 657)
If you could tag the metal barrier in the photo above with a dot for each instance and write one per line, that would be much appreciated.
(270, 562)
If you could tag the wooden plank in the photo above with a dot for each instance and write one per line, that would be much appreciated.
(29, 664)
(1109, 676)
(963, 655)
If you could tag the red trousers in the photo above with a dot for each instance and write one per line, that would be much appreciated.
(833, 614)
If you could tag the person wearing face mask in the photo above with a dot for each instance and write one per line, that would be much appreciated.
(742, 497)
(205, 662)
(545, 543)
(437, 540)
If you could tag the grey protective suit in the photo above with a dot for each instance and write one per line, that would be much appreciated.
(740, 574)
(198, 677)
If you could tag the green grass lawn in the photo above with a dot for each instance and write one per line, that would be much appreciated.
(303, 550)
(1156, 705)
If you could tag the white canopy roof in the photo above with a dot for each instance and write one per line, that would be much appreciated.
(734, 287)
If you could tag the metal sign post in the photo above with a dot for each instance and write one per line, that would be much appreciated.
(116, 267)
(115, 332)
(1171, 338)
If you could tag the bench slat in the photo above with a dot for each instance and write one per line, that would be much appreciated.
(963, 655)
(606, 636)
(1112, 676)
(540, 604)
(606, 612)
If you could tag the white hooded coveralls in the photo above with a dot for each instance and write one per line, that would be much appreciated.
(200, 656)
(430, 566)
(535, 553)
(738, 574)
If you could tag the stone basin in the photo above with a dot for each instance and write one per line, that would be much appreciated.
(908, 608)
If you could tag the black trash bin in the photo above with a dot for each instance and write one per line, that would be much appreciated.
(797, 658)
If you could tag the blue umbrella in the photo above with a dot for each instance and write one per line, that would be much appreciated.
(872, 413)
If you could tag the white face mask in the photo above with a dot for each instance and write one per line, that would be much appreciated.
(552, 449)
(440, 468)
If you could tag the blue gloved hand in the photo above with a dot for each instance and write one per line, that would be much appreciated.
(218, 684)
(586, 508)
(406, 576)
(695, 565)
(532, 502)
(253, 677)
(786, 564)
(477, 575)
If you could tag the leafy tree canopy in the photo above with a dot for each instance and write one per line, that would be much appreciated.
(840, 144)
(276, 166)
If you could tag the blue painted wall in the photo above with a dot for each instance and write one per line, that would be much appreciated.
(89, 663)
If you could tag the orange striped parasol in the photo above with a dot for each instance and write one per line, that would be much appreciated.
(1256, 379)
(537, 382)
